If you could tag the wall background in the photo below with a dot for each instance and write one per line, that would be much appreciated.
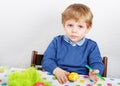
(27, 25)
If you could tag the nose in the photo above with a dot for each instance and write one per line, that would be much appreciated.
(74, 30)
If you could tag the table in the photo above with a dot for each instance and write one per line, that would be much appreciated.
(82, 81)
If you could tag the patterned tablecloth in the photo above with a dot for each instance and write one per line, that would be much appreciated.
(82, 81)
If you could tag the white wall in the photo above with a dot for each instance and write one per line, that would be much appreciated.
(27, 25)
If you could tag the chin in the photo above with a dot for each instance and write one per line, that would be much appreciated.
(74, 40)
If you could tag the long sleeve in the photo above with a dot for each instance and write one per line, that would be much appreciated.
(48, 62)
(95, 59)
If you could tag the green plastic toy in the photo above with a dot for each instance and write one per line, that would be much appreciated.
(27, 77)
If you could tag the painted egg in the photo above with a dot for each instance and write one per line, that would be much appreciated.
(39, 84)
(73, 76)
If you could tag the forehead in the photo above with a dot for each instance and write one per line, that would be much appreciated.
(74, 21)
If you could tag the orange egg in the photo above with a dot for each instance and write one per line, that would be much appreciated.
(73, 76)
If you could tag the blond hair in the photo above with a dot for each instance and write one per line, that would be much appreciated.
(78, 12)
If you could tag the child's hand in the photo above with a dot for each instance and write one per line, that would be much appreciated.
(93, 76)
(61, 75)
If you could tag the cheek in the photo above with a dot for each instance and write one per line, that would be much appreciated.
(82, 31)
(86, 31)
(67, 30)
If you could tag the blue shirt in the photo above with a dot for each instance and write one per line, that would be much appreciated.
(60, 53)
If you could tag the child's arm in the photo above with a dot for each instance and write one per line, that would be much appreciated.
(95, 59)
(49, 61)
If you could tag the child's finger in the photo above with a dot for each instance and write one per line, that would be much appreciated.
(90, 72)
(96, 71)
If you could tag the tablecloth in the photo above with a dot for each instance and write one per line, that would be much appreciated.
(82, 81)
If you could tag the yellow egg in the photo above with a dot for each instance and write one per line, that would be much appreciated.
(73, 76)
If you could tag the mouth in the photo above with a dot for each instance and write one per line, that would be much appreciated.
(73, 36)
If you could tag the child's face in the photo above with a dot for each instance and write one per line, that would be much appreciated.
(75, 30)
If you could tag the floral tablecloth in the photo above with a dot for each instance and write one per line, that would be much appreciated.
(82, 81)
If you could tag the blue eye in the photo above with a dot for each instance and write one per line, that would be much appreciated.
(70, 25)
(80, 26)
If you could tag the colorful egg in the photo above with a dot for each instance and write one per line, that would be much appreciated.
(39, 84)
(73, 76)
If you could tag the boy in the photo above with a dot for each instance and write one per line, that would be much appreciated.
(71, 52)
